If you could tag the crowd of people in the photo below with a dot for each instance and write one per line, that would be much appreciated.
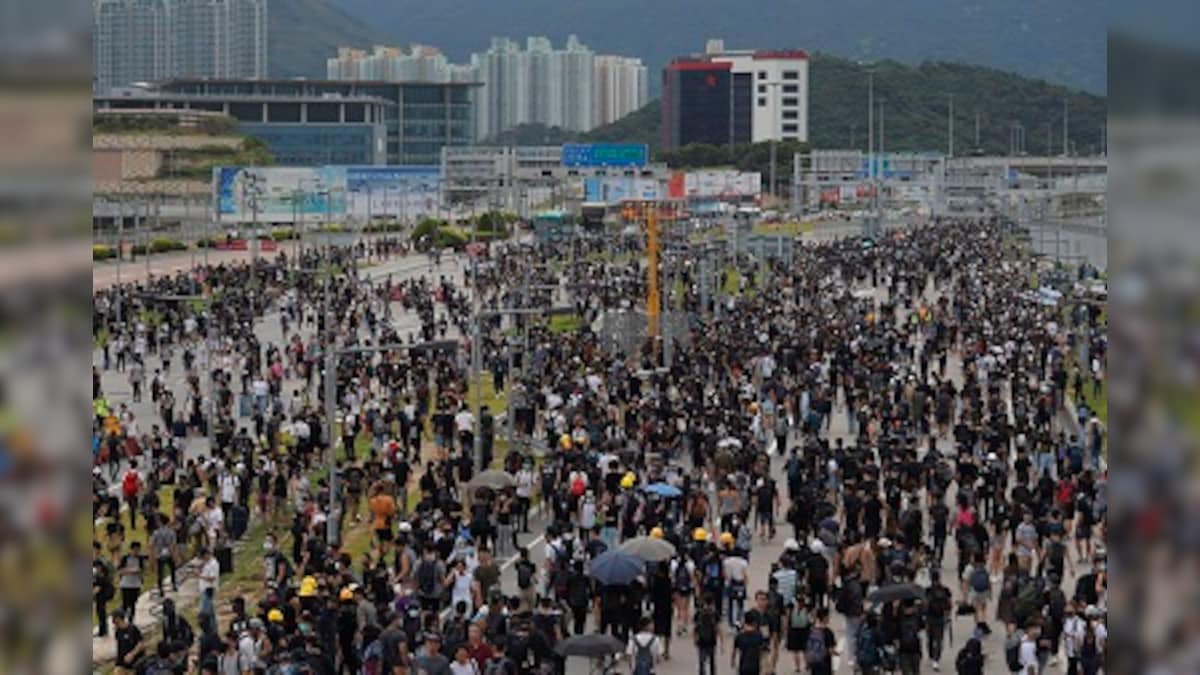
(893, 410)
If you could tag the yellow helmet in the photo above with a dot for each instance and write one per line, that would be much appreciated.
(275, 616)
(628, 480)
(346, 594)
(700, 534)
(726, 539)
(656, 533)
(565, 441)
(308, 587)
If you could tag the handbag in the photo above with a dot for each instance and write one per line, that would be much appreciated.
(964, 609)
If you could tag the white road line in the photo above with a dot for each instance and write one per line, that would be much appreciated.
(513, 560)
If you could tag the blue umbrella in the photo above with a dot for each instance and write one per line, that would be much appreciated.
(617, 568)
(663, 490)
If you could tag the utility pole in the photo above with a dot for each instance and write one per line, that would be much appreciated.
(120, 254)
(1066, 128)
(869, 226)
(950, 125)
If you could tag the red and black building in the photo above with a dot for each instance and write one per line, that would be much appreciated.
(704, 101)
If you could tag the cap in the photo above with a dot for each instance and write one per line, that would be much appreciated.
(275, 616)
(791, 545)
(700, 534)
(432, 636)
(256, 624)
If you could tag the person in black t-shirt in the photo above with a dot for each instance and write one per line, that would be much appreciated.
(130, 647)
(749, 647)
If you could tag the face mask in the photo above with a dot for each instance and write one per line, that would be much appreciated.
(268, 545)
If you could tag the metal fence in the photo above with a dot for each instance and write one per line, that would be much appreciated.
(624, 331)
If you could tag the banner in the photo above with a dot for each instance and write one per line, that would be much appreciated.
(279, 194)
(404, 192)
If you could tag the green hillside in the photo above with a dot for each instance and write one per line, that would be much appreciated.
(915, 100)
(303, 33)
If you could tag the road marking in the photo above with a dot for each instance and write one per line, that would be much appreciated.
(513, 560)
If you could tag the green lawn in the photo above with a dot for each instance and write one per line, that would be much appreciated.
(732, 282)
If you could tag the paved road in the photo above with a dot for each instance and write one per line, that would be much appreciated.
(684, 657)
(683, 653)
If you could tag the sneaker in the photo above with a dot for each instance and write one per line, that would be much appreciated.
(936, 667)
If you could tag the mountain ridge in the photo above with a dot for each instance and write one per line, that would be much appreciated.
(1062, 41)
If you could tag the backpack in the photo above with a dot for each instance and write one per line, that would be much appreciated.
(850, 599)
(968, 662)
(1028, 601)
(866, 651)
(712, 575)
(643, 658)
(183, 633)
(372, 659)
(1012, 656)
(910, 642)
(980, 581)
(130, 484)
(578, 487)
(683, 580)
(158, 666)
(815, 650)
(427, 578)
(706, 629)
(938, 601)
(524, 575)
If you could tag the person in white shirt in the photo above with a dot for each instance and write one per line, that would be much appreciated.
(464, 427)
(1028, 651)
(1073, 631)
(644, 645)
(735, 570)
(210, 573)
(524, 495)
(229, 484)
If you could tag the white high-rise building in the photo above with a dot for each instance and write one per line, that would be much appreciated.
(571, 88)
(620, 87)
(146, 40)
(419, 63)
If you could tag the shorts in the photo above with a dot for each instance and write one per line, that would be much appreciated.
(385, 535)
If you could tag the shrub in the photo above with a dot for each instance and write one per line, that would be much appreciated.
(483, 235)
(450, 238)
(103, 252)
(333, 228)
(163, 245)
(281, 234)
(426, 227)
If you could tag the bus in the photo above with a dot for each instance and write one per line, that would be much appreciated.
(591, 215)
(553, 226)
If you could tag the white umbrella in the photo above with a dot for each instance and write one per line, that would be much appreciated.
(649, 549)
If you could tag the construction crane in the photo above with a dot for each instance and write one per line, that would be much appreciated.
(653, 299)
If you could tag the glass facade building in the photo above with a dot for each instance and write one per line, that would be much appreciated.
(298, 130)
(419, 118)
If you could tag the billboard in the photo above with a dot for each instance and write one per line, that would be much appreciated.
(404, 192)
(721, 183)
(279, 194)
(613, 189)
(605, 154)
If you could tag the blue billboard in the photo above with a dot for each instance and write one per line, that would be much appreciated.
(605, 154)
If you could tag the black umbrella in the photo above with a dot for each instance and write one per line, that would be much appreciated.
(592, 646)
(896, 592)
